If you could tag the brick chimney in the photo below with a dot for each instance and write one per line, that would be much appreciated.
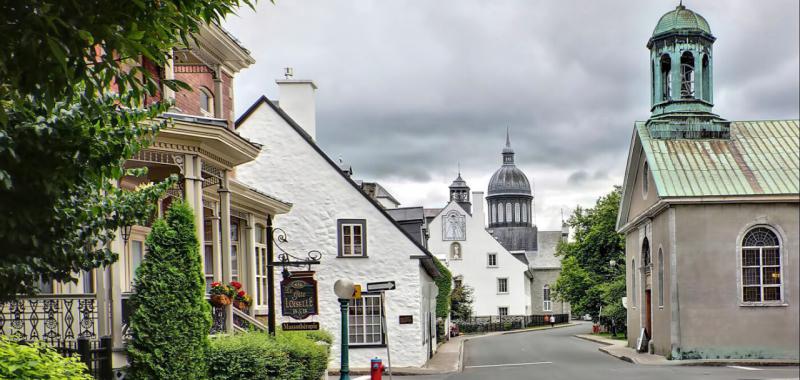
(296, 98)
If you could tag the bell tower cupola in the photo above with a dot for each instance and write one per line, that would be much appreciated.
(681, 78)
(459, 192)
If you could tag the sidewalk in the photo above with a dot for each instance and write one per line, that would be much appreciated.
(620, 350)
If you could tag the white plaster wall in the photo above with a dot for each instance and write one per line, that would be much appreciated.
(290, 169)
(473, 265)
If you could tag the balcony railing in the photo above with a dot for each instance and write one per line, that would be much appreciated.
(50, 317)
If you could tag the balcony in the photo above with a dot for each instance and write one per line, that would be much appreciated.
(51, 318)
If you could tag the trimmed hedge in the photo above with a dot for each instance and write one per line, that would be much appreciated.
(37, 361)
(171, 317)
(291, 355)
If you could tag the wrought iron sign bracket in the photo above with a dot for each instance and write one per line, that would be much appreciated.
(286, 259)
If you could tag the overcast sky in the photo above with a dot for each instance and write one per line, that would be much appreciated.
(407, 89)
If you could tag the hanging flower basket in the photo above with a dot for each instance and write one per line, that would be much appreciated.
(220, 300)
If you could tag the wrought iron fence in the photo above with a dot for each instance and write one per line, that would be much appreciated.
(218, 316)
(95, 354)
(482, 324)
(50, 317)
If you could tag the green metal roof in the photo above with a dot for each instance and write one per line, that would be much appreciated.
(681, 19)
(760, 158)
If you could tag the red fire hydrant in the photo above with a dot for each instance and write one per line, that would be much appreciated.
(376, 369)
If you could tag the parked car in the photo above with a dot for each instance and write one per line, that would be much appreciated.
(587, 317)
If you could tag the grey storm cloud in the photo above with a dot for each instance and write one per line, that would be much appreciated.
(408, 88)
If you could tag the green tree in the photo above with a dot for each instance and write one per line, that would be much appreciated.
(587, 280)
(73, 91)
(172, 319)
(461, 302)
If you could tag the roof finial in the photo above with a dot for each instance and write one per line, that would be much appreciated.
(508, 139)
(459, 168)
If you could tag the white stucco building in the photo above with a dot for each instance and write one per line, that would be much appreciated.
(500, 281)
(356, 236)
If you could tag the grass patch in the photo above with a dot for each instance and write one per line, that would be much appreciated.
(609, 336)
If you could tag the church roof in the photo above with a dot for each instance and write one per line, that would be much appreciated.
(681, 19)
(458, 182)
(760, 158)
(509, 179)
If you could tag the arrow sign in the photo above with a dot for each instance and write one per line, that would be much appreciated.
(380, 286)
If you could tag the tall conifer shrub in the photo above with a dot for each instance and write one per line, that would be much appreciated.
(172, 319)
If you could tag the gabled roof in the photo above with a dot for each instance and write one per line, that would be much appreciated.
(427, 257)
(760, 160)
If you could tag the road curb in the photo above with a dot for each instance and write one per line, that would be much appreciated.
(461, 355)
(700, 362)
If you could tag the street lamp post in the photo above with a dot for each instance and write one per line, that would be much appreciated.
(344, 290)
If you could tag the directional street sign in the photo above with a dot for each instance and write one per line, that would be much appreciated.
(380, 286)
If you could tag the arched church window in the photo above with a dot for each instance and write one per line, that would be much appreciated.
(646, 255)
(761, 268)
(517, 217)
(687, 75)
(500, 216)
(706, 79)
(524, 213)
(455, 251)
(666, 77)
(508, 212)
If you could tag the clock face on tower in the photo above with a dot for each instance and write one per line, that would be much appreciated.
(454, 226)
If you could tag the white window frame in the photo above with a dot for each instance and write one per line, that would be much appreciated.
(260, 250)
(358, 326)
(517, 213)
(501, 216)
(501, 280)
(236, 252)
(547, 303)
(509, 215)
(761, 267)
(489, 257)
(525, 212)
(342, 237)
(208, 111)
(500, 311)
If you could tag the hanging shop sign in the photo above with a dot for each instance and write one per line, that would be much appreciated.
(299, 295)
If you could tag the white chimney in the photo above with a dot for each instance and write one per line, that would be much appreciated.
(296, 98)
(477, 206)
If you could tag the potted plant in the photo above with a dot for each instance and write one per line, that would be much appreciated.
(242, 300)
(221, 294)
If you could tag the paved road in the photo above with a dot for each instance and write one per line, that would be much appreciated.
(557, 355)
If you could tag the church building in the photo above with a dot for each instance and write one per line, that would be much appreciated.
(511, 265)
(711, 214)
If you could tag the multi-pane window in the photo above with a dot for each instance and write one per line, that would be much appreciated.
(261, 266)
(502, 285)
(508, 212)
(208, 254)
(517, 216)
(502, 311)
(494, 213)
(491, 260)
(761, 266)
(365, 320)
(206, 102)
(500, 213)
(88, 281)
(352, 238)
(235, 251)
(524, 213)
(547, 305)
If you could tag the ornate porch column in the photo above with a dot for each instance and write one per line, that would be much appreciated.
(250, 257)
(216, 253)
(116, 275)
(225, 215)
(198, 207)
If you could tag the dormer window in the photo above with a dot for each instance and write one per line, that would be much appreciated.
(206, 102)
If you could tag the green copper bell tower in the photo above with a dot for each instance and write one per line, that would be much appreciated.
(681, 78)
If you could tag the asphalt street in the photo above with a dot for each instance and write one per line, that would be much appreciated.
(555, 354)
